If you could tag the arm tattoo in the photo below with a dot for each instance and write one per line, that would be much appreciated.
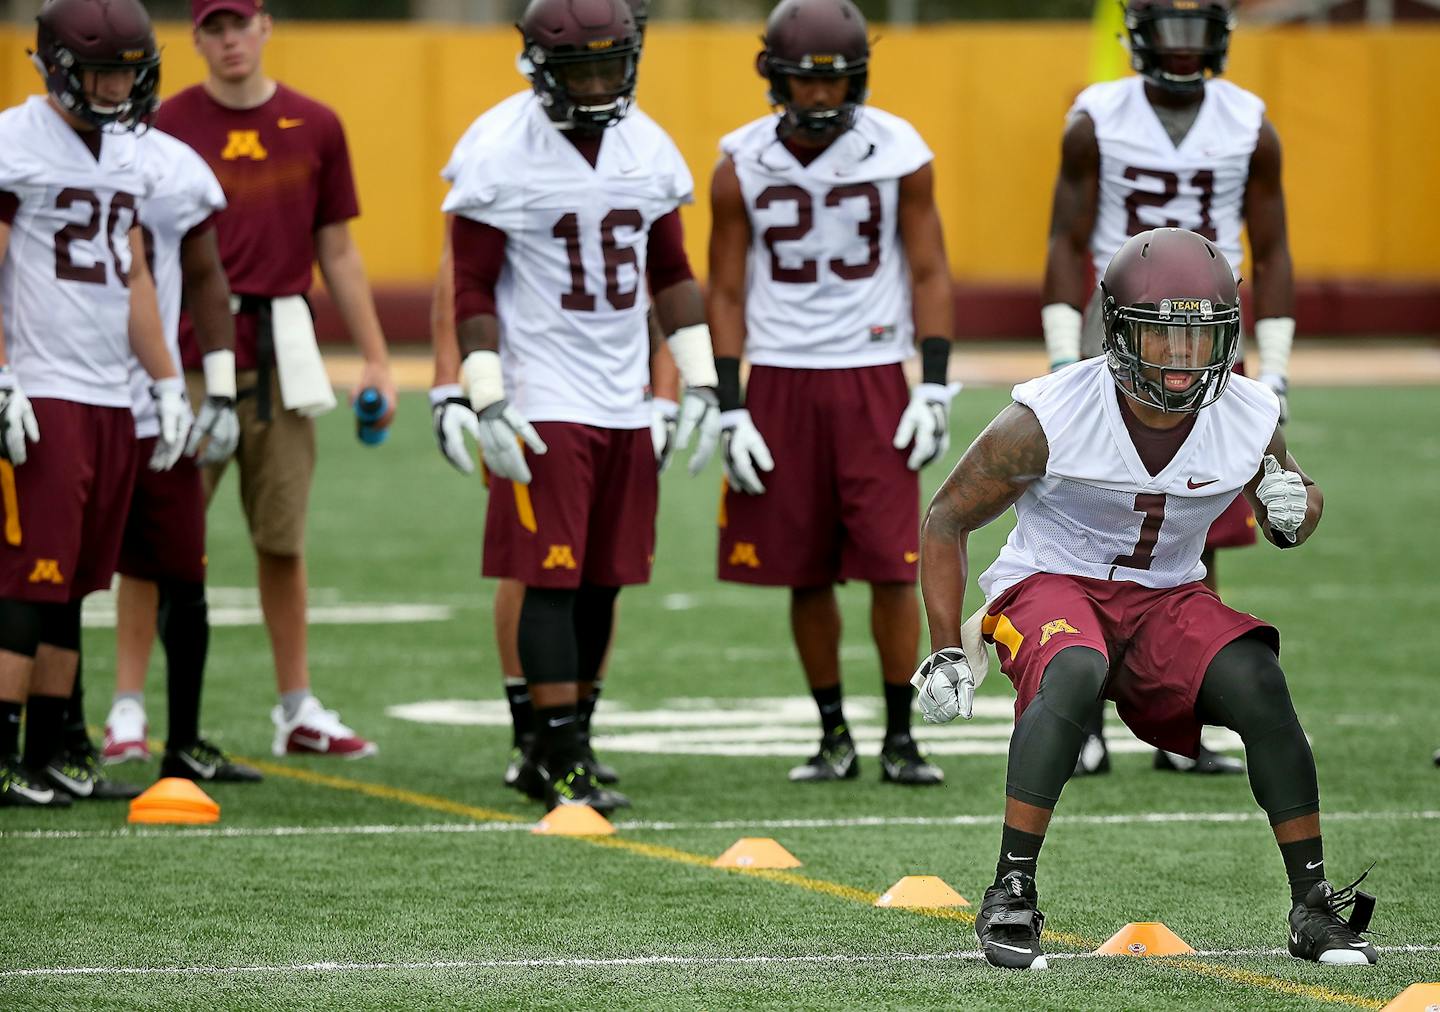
(994, 472)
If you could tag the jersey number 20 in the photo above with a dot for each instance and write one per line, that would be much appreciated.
(66, 269)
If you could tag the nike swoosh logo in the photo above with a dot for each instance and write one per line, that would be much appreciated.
(1294, 938)
(319, 744)
(1012, 948)
(204, 770)
(1011, 857)
(80, 788)
(41, 797)
(1192, 483)
(284, 123)
(1358, 945)
(1312, 867)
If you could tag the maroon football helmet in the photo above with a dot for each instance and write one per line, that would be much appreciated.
(640, 11)
(1174, 42)
(78, 35)
(581, 57)
(816, 38)
(1172, 311)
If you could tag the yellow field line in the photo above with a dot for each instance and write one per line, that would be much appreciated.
(838, 890)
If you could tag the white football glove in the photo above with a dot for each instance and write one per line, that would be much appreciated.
(946, 686)
(1281, 386)
(1283, 494)
(221, 424)
(453, 418)
(175, 420)
(664, 424)
(745, 452)
(700, 413)
(17, 420)
(926, 424)
(502, 428)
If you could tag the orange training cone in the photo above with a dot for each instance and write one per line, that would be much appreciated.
(756, 852)
(1416, 998)
(921, 891)
(574, 820)
(1144, 938)
(175, 801)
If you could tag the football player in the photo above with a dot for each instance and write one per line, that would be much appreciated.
(1116, 468)
(1174, 145)
(76, 301)
(828, 267)
(162, 560)
(453, 418)
(565, 224)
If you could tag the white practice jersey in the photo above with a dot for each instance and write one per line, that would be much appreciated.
(184, 193)
(1147, 182)
(572, 297)
(827, 283)
(64, 289)
(1098, 513)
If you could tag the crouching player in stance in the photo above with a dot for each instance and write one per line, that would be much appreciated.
(1116, 468)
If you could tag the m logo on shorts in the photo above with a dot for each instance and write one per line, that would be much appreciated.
(560, 557)
(244, 144)
(744, 554)
(47, 571)
(1055, 628)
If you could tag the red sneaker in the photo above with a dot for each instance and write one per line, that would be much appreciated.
(126, 733)
(317, 731)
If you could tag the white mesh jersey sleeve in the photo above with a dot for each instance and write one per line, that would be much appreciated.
(182, 193)
(64, 282)
(1098, 513)
(828, 283)
(1147, 181)
(572, 297)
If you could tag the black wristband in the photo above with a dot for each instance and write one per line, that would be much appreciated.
(935, 360)
(728, 390)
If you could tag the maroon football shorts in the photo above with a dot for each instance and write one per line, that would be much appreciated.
(165, 531)
(1158, 641)
(840, 504)
(65, 506)
(588, 514)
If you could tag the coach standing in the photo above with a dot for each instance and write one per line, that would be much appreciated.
(285, 167)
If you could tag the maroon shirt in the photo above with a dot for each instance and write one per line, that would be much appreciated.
(1156, 447)
(285, 169)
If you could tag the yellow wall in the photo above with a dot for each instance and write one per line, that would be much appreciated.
(1355, 110)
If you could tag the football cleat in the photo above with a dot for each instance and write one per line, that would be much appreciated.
(1009, 924)
(317, 731)
(1320, 934)
(1094, 757)
(515, 765)
(22, 789)
(78, 772)
(604, 772)
(836, 760)
(902, 763)
(126, 733)
(1205, 761)
(204, 762)
(578, 786)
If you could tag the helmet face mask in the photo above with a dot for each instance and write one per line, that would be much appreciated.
(816, 39)
(582, 58)
(1172, 320)
(1174, 46)
(74, 37)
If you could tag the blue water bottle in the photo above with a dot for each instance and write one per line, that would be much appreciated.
(370, 407)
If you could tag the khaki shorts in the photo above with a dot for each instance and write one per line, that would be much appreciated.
(277, 466)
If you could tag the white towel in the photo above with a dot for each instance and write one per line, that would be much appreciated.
(304, 384)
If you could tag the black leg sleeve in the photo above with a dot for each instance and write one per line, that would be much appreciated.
(548, 651)
(594, 624)
(1049, 733)
(184, 622)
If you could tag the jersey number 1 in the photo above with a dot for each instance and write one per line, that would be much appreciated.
(1152, 507)
(578, 299)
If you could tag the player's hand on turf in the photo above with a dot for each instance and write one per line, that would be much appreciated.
(219, 423)
(745, 452)
(17, 420)
(453, 417)
(1281, 386)
(925, 425)
(1284, 496)
(502, 429)
(175, 421)
(946, 686)
(664, 425)
(700, 413)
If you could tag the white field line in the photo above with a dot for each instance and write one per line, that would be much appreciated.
(435, 828)
(581, 964)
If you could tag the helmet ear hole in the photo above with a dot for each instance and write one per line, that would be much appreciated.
(762, 63)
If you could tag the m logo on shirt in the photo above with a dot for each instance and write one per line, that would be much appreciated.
(47, 571)
(1055, 628)
(560, 557)
(244, 144)
(744, 554)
